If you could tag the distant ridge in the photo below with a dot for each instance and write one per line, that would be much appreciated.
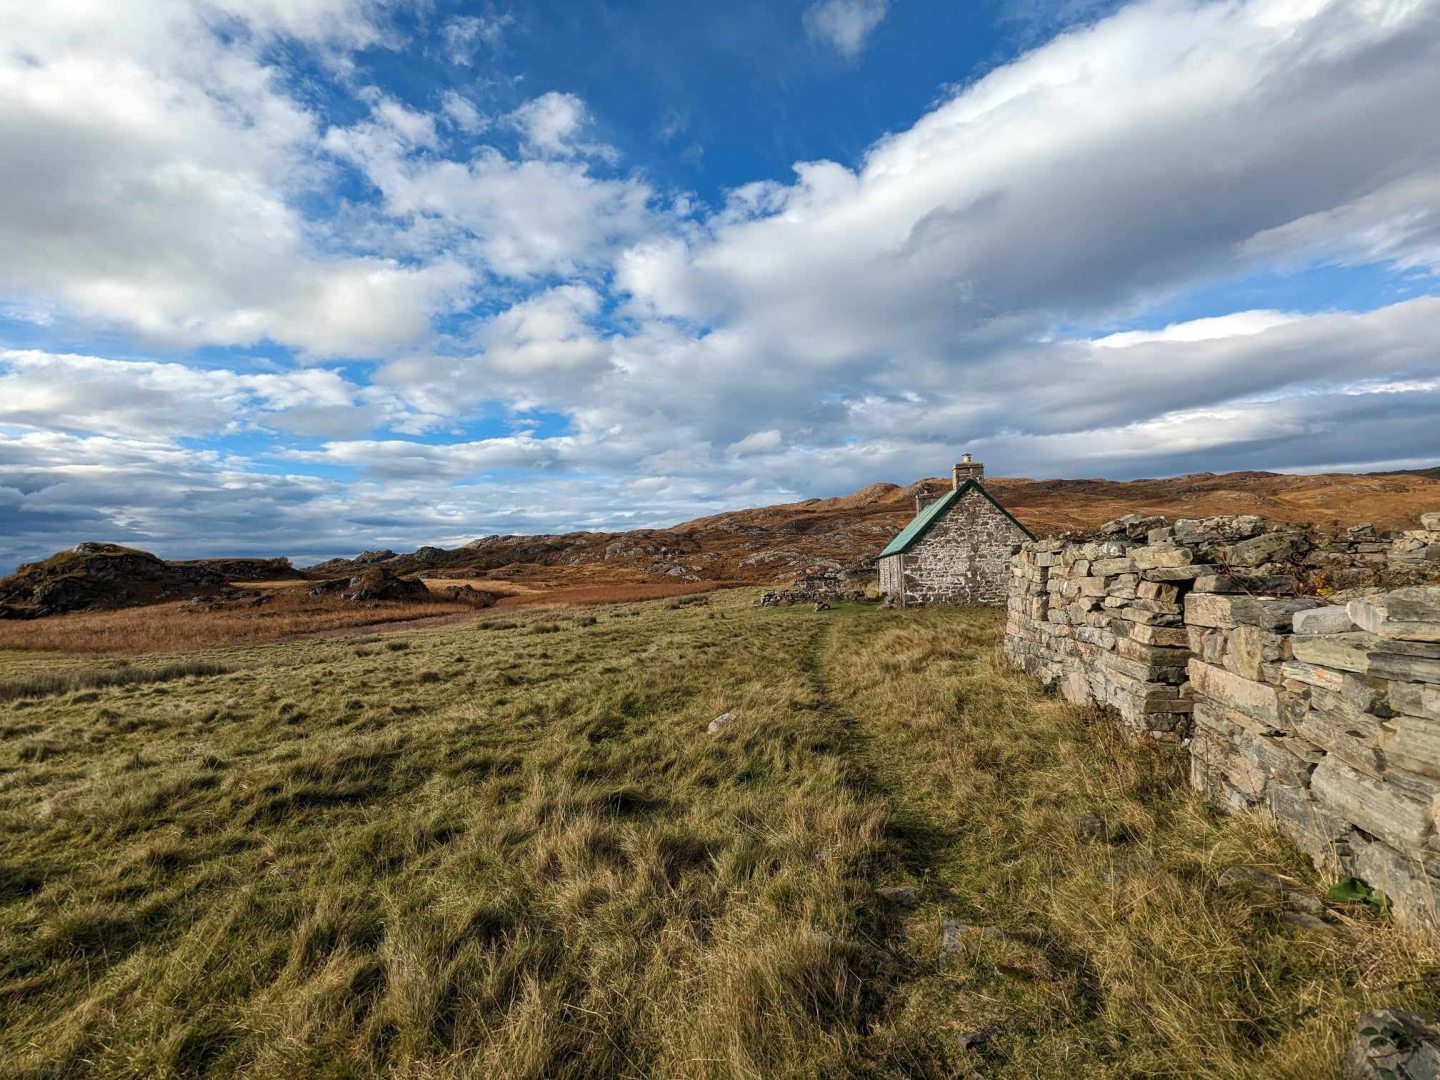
(776, 543)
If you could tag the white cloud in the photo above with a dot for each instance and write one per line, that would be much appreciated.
(146, 399)
(463, 113)
(150, 170)
(517, 218)
(1117, 165)
(552, 124)
(548, 332)
(757, 442)
(844, 24)
(464, 34)
(1237, 323)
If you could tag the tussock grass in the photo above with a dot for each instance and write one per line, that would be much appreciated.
(290, 611)
(46, 683)
(494, 853)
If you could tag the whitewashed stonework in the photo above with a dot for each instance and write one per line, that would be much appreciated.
(958, 554)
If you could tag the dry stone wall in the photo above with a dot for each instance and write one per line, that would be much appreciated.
(1103, 619)
(1326, 714)
(1329, 716)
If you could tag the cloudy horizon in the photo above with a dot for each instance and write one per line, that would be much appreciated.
(315, 276)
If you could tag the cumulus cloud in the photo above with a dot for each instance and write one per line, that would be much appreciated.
(513, 217)
(1093, 176)
(973, 281)
(844, 24)
(146, 399)
(552, 125)
(150, 172)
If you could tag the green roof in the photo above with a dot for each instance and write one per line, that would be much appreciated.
(917, 528)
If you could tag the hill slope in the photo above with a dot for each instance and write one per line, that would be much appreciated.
(775, 543)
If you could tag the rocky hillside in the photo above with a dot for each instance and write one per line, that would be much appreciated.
(777, 543)
(97, 577)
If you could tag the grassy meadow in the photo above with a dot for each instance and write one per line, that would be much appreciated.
(509, 848)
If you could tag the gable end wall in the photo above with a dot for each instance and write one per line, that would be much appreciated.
(963, 558)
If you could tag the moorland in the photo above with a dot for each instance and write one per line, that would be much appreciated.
(512, 846)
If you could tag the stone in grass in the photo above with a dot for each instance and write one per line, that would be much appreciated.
(900, 895)
(719, 723)
(1089, 827)
(1299, 907)
(953, 933)
(1392, 1045)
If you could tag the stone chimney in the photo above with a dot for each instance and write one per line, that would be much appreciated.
(965, 469)
(923, 498)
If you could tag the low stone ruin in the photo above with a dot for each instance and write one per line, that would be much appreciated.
(827, 584)
(1326, 713)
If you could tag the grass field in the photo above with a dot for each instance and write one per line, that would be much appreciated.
(510, 849)
(292, 611)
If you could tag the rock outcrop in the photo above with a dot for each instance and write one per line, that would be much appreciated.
(374, 584)
(95, 577)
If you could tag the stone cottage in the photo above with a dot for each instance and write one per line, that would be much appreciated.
(957, 549)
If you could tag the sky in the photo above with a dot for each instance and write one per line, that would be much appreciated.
(309, 277)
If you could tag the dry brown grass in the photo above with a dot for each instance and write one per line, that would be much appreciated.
(509, 849)
(290, 611)
(611, 594)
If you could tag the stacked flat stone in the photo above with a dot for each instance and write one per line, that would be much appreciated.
(1329, 716)
(1419, 546)
(1103, 620)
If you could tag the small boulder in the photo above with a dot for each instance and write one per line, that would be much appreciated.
(381, 583)
(719, 723)
(900, 895)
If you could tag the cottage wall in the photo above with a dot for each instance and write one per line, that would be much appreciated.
(963, 558)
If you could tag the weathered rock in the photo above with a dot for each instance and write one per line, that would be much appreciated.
(953, 934)
(1415, 699)
(899, 895)
(720, 722)
(1254, 699)
(1323, 620)
(1380, 808)
(1345, 652)
(1225, 611)
(380, 583)
(1411, 613)
(1392, 1045)
(1159, 557)
(1430, 522)
(1411, 743)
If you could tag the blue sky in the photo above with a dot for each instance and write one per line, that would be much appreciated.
(312, 276)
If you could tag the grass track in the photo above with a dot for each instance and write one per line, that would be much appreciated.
(511, 850)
